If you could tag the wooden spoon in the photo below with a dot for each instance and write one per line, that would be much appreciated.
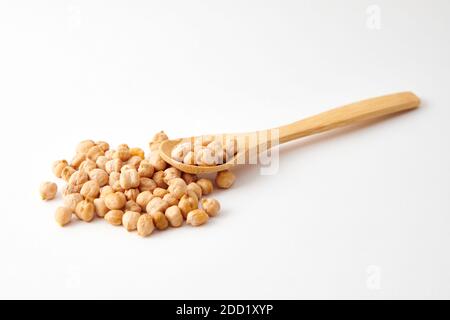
(335, 118)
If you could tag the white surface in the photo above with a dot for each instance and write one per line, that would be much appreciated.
(362, 213)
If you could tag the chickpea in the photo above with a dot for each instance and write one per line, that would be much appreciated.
(146, 170)
(100, 207)
(85, 210)
(156, 204)
(188, 177)
(157, 139)
(122, 153)
(70, 189)
(77, 160)
(71, 201)
(134, 161)
(94, 153)
(131, 205)
(129, 179)
(137, 152)
(211, 206)
(177, 187)
(114, 217)
(189, 158)
(157, 162)
(187, 204)
(197, 217)
(87, 165)
(90, 190)
(160, 192)
(179, 152)
(78, 178)
(48, 190)
(144, 198)
(100, 176)
(104, 191)
(103, 145)
(113, 165)
(58, 167)
(158, 177)
(110, 154)
(63, 216)
(131, 194)
(194, 187)
(145, 225)
(206, 185)
(170, 199)
(225, 179)
(160, 220)
(101, 162)
(115, 201)
(174, 216)
(114, 181)
(130, 220)
(147, 184)
(204, 140)
(84, 146)
(204, 157)
(231, 148)
(67, 172)
(171, 173)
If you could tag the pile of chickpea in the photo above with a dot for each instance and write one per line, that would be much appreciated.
(125, 188)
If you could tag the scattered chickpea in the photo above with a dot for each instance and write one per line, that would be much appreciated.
(48, 190)
(211, 206)
(67, 172)
(63, 215)
(174, 216)
(157, 162)
(187, 204)
(160, 192)
(145, 225)
(206, 186)
(115, 201)
(146, 170)
(137, 152)
(113, 165)
(100, 207)
(77, 160)
(94, 152)
(188, 177)
(100, 176)
(71, 201)
(157, 139)
(194, 187)
(160, 221)
(70, 188)
(101, 162)
(130, 220)
(225, 179)
(131, 205)
(170, 199)
(158, 177)
(104, 191)
(78, 178)
(103, 145)
(156, 204)
(189, 158)
(87, 165)
(114, 181)
(177, 187)
(122, 153)
(134, 161)
(58, 167)
(90, 190)
(110, 154)
(84, 146)
(131, 194)
(129, 179)
(147, 184)
(85, 210)
(143, 199)
(179, 152)
(114, 217)
(171, 173)
(197, 217)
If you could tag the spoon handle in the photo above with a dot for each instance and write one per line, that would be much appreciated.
(349, 114)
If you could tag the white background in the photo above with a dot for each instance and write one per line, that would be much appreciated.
(357, 213)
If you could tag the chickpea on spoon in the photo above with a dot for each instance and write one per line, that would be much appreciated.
(207, 154)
